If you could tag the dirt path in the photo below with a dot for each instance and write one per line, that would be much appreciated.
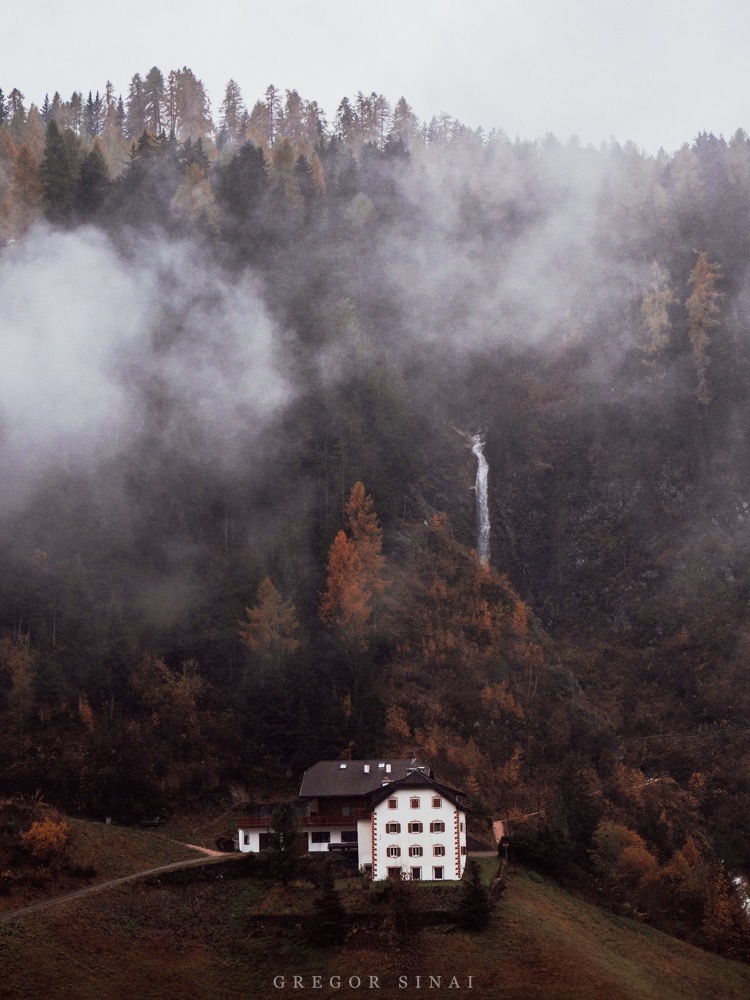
(44, 903)
(207, 850)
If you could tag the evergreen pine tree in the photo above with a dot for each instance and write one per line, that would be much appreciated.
(473, 906)
(285, 827)
(136, 108)
(402, 896)
(93, 116)
(232, 114)
(59, 171)
(93, 184)
(330, 926)
(154, 101)
(75, 112)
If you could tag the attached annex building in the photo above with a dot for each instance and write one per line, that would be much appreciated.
(399, 820)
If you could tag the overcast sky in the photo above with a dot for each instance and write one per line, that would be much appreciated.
(653, 71)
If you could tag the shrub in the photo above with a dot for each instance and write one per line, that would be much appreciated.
(47, 840)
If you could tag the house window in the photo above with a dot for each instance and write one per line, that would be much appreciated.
(463, 850)
(394, 872)
(415, 827)
(393, 827)
(393, 803)
(246, 838)
(439, 851)
(461, 827)
(437, 827)
(414, 802)
(320, 837)
(348, 836)
(436, 802)
(415, 851)
(393, 851)
(437, 872)
(416, 874)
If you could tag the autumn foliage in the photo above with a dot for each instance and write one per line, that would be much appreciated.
(47, 840)
(356, 577)
(270, 629)
(703, 315)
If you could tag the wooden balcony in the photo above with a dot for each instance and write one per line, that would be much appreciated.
(264, 822)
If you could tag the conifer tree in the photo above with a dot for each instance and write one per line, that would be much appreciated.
(405, 124)
(75, 113)
(17, 115)
(270, 630)
(292, 122)
(329, 927)
(347, 124)
(59, 172)
(703, 315)
(345, 602)
(35, 133)
(285, 828)
(356, 576)
(404, 911)
(275, 112)
(93, 184)
(187, 111)
(136, 108)
(314, 122)
(93, 116)
(23, 200)
(655, 319)
(242, 183)
(55, 108)
(473, 906)
(154, 101)
(232, 115)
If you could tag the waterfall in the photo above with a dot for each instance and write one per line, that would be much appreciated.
(483, 510)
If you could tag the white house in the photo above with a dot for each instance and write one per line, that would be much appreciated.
(400, 821)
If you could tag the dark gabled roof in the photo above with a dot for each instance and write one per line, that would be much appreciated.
(346, 778)
(418, 779)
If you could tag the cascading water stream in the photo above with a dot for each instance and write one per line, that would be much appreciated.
(483, 510)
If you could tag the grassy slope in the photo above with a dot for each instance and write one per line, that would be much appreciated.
(116, 851)
(156, 943)
(110, 850)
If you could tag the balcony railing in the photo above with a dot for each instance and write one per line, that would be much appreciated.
(264, 822)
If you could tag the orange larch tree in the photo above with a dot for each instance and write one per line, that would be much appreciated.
(355, 571)
(703, 315)
(270, 629)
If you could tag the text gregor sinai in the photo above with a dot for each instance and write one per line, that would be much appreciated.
(372, 982)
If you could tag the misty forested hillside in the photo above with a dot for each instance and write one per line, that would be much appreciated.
(241, 362)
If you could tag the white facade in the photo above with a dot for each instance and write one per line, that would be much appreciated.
(420, 832)
(249, 839)
(318, 837)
